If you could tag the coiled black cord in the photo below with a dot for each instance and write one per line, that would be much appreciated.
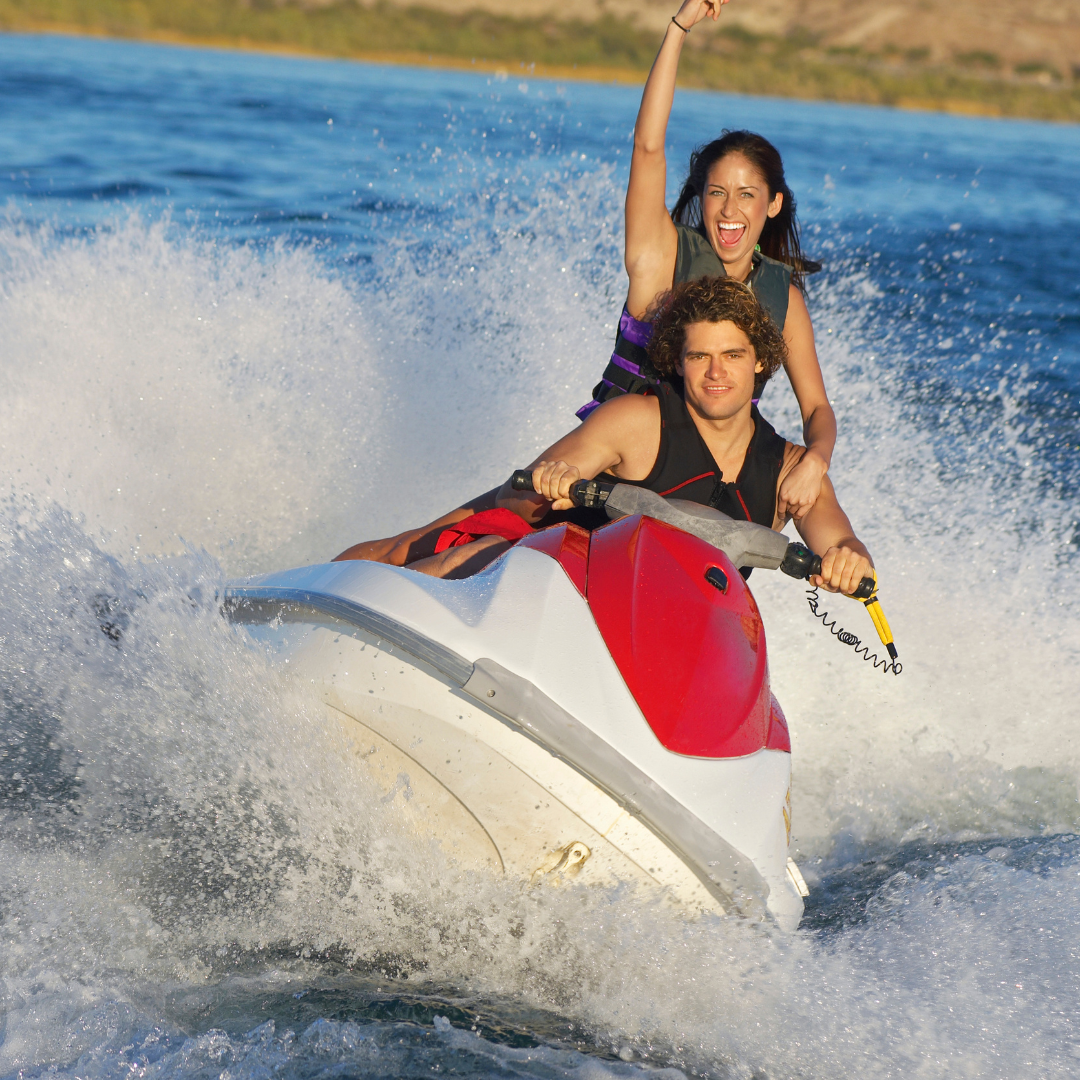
(846, 637)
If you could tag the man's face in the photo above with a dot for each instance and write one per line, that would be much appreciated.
(718, 367)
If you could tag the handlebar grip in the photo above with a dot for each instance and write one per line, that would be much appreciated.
(589, 493)
(801, 562)
(863, 592)
(865, 589)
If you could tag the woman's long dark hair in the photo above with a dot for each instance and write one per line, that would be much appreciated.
(780, 237)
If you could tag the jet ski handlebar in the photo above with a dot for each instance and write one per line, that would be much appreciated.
(800, 562)
(590, 493)
(745, 543)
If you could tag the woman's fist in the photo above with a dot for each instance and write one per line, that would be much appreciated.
(693, 11)
(801, 487)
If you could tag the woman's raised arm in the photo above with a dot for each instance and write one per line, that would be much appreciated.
(651, 240)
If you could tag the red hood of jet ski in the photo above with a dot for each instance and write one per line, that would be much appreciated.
(691, 650)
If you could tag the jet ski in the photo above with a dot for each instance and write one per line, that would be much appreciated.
(591, 707)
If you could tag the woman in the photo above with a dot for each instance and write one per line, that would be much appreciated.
(734, 202)
(735, 216)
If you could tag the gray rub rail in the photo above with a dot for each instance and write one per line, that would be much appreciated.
(247, 598)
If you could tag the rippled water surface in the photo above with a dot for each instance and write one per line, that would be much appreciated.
(253, 309)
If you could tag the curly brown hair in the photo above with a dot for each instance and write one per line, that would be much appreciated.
(713, 300)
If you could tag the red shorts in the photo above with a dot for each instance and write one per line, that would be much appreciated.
(499, 522)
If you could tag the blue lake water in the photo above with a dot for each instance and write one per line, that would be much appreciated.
(255, 308)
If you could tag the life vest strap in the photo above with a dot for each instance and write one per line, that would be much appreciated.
(628, 372)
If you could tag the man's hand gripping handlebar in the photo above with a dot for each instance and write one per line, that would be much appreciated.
(591, 493)
(798, 562)
(801, 562)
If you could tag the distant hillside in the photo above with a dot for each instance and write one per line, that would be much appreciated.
(958, 56)
(1039, 39)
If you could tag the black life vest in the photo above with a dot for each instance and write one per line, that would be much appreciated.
(685, 469)
(629, 370)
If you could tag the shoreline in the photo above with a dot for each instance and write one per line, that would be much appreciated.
(591, 73)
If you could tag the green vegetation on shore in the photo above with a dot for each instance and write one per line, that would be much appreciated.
(727, 60)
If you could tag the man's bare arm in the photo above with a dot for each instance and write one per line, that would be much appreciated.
(622, 436)
(828, 533)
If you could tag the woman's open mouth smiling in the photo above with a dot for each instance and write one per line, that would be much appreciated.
(731, 233)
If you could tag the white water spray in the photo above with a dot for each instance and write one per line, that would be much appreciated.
(165, 394)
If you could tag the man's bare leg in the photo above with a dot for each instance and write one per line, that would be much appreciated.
(407, 547)
(463, 561)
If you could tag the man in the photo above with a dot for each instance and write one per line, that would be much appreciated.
(714, 337)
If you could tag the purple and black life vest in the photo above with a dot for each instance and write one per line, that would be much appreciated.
(629, 370)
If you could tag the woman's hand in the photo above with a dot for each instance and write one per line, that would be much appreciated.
(802, 486)
(555, 480)
(842, 569)
(693, 11)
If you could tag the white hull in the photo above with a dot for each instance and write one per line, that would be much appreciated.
(515, 742)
